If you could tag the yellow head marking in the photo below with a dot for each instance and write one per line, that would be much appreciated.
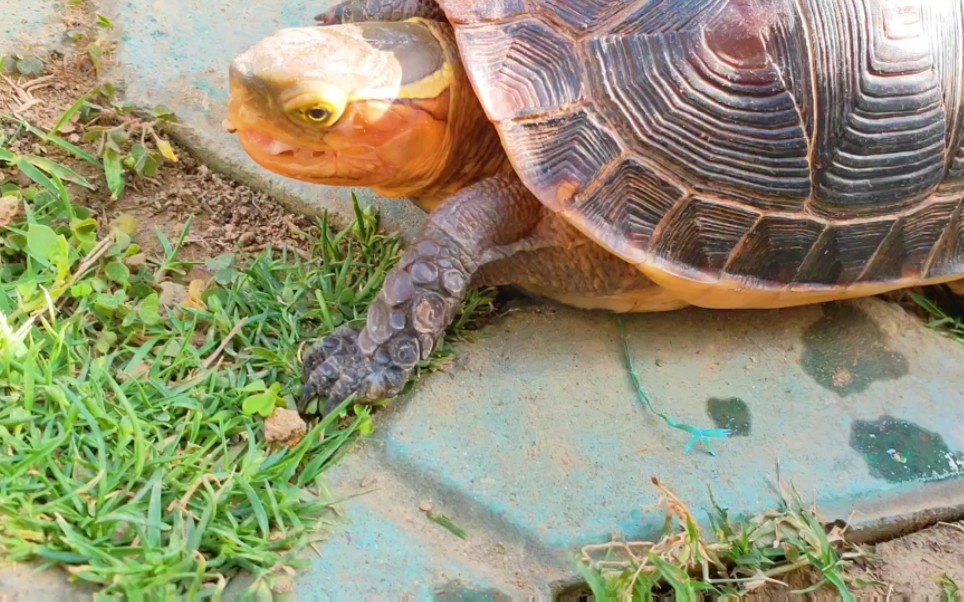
(430, 86)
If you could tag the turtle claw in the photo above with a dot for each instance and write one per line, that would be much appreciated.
(418, 300)
(337, 369)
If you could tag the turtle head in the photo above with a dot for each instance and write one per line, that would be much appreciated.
(377, 105)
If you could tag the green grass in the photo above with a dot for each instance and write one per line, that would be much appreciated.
(940, 320)
(128, 456)
(950, 591)
(742, 556)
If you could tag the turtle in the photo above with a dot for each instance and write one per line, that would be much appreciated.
(633, 156)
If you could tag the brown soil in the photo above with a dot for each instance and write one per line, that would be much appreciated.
(228, 217)
(909, 567)
(916, 564)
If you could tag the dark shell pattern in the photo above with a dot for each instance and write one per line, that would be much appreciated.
(812, 143)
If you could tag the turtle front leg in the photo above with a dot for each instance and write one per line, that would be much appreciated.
(355, 11)
(421, 296)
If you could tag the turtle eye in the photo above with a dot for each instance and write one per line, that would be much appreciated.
(318, 114)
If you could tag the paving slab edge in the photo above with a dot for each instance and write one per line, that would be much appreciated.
(492, 540)
(874, 520)
(893, 513)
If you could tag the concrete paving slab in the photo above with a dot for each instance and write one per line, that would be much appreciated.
(847, 401)
(176, 53)
(31, 26)
(536, 437)
(501, 559)
(374, 555)
(28, 583)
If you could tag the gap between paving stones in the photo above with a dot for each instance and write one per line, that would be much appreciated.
(494, 550)
(893, 515)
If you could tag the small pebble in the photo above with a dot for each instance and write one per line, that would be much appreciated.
(284, 427)
(425, 506)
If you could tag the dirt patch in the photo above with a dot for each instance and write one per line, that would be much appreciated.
(919, 566)
(224, 216)
(926, 565)
(916, 565)
(284, 428)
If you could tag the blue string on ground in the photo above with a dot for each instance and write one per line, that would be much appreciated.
(699, 435)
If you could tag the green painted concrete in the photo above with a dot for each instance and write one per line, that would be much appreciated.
(536, 438)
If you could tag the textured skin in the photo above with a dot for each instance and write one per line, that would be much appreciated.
(559, 262)
(481, 224)
(811, 145)
(356, 11)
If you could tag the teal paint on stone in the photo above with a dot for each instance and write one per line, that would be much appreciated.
(900, 451)
(731, 413)
(847, 352)
(371, 555)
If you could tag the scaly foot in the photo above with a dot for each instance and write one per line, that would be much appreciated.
(421, 296)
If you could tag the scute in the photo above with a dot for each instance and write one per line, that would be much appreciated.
(664, 16)
(840, 255)
(474, 11)
(702, 235)
(779, 148)
(919, 235)
(676, 100)
(580, 16)
(631, 201)
(528, 68)
(560, 156)
(775, 249)
(946, 259)
(883, 119)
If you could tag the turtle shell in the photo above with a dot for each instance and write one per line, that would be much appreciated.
(810, 148)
